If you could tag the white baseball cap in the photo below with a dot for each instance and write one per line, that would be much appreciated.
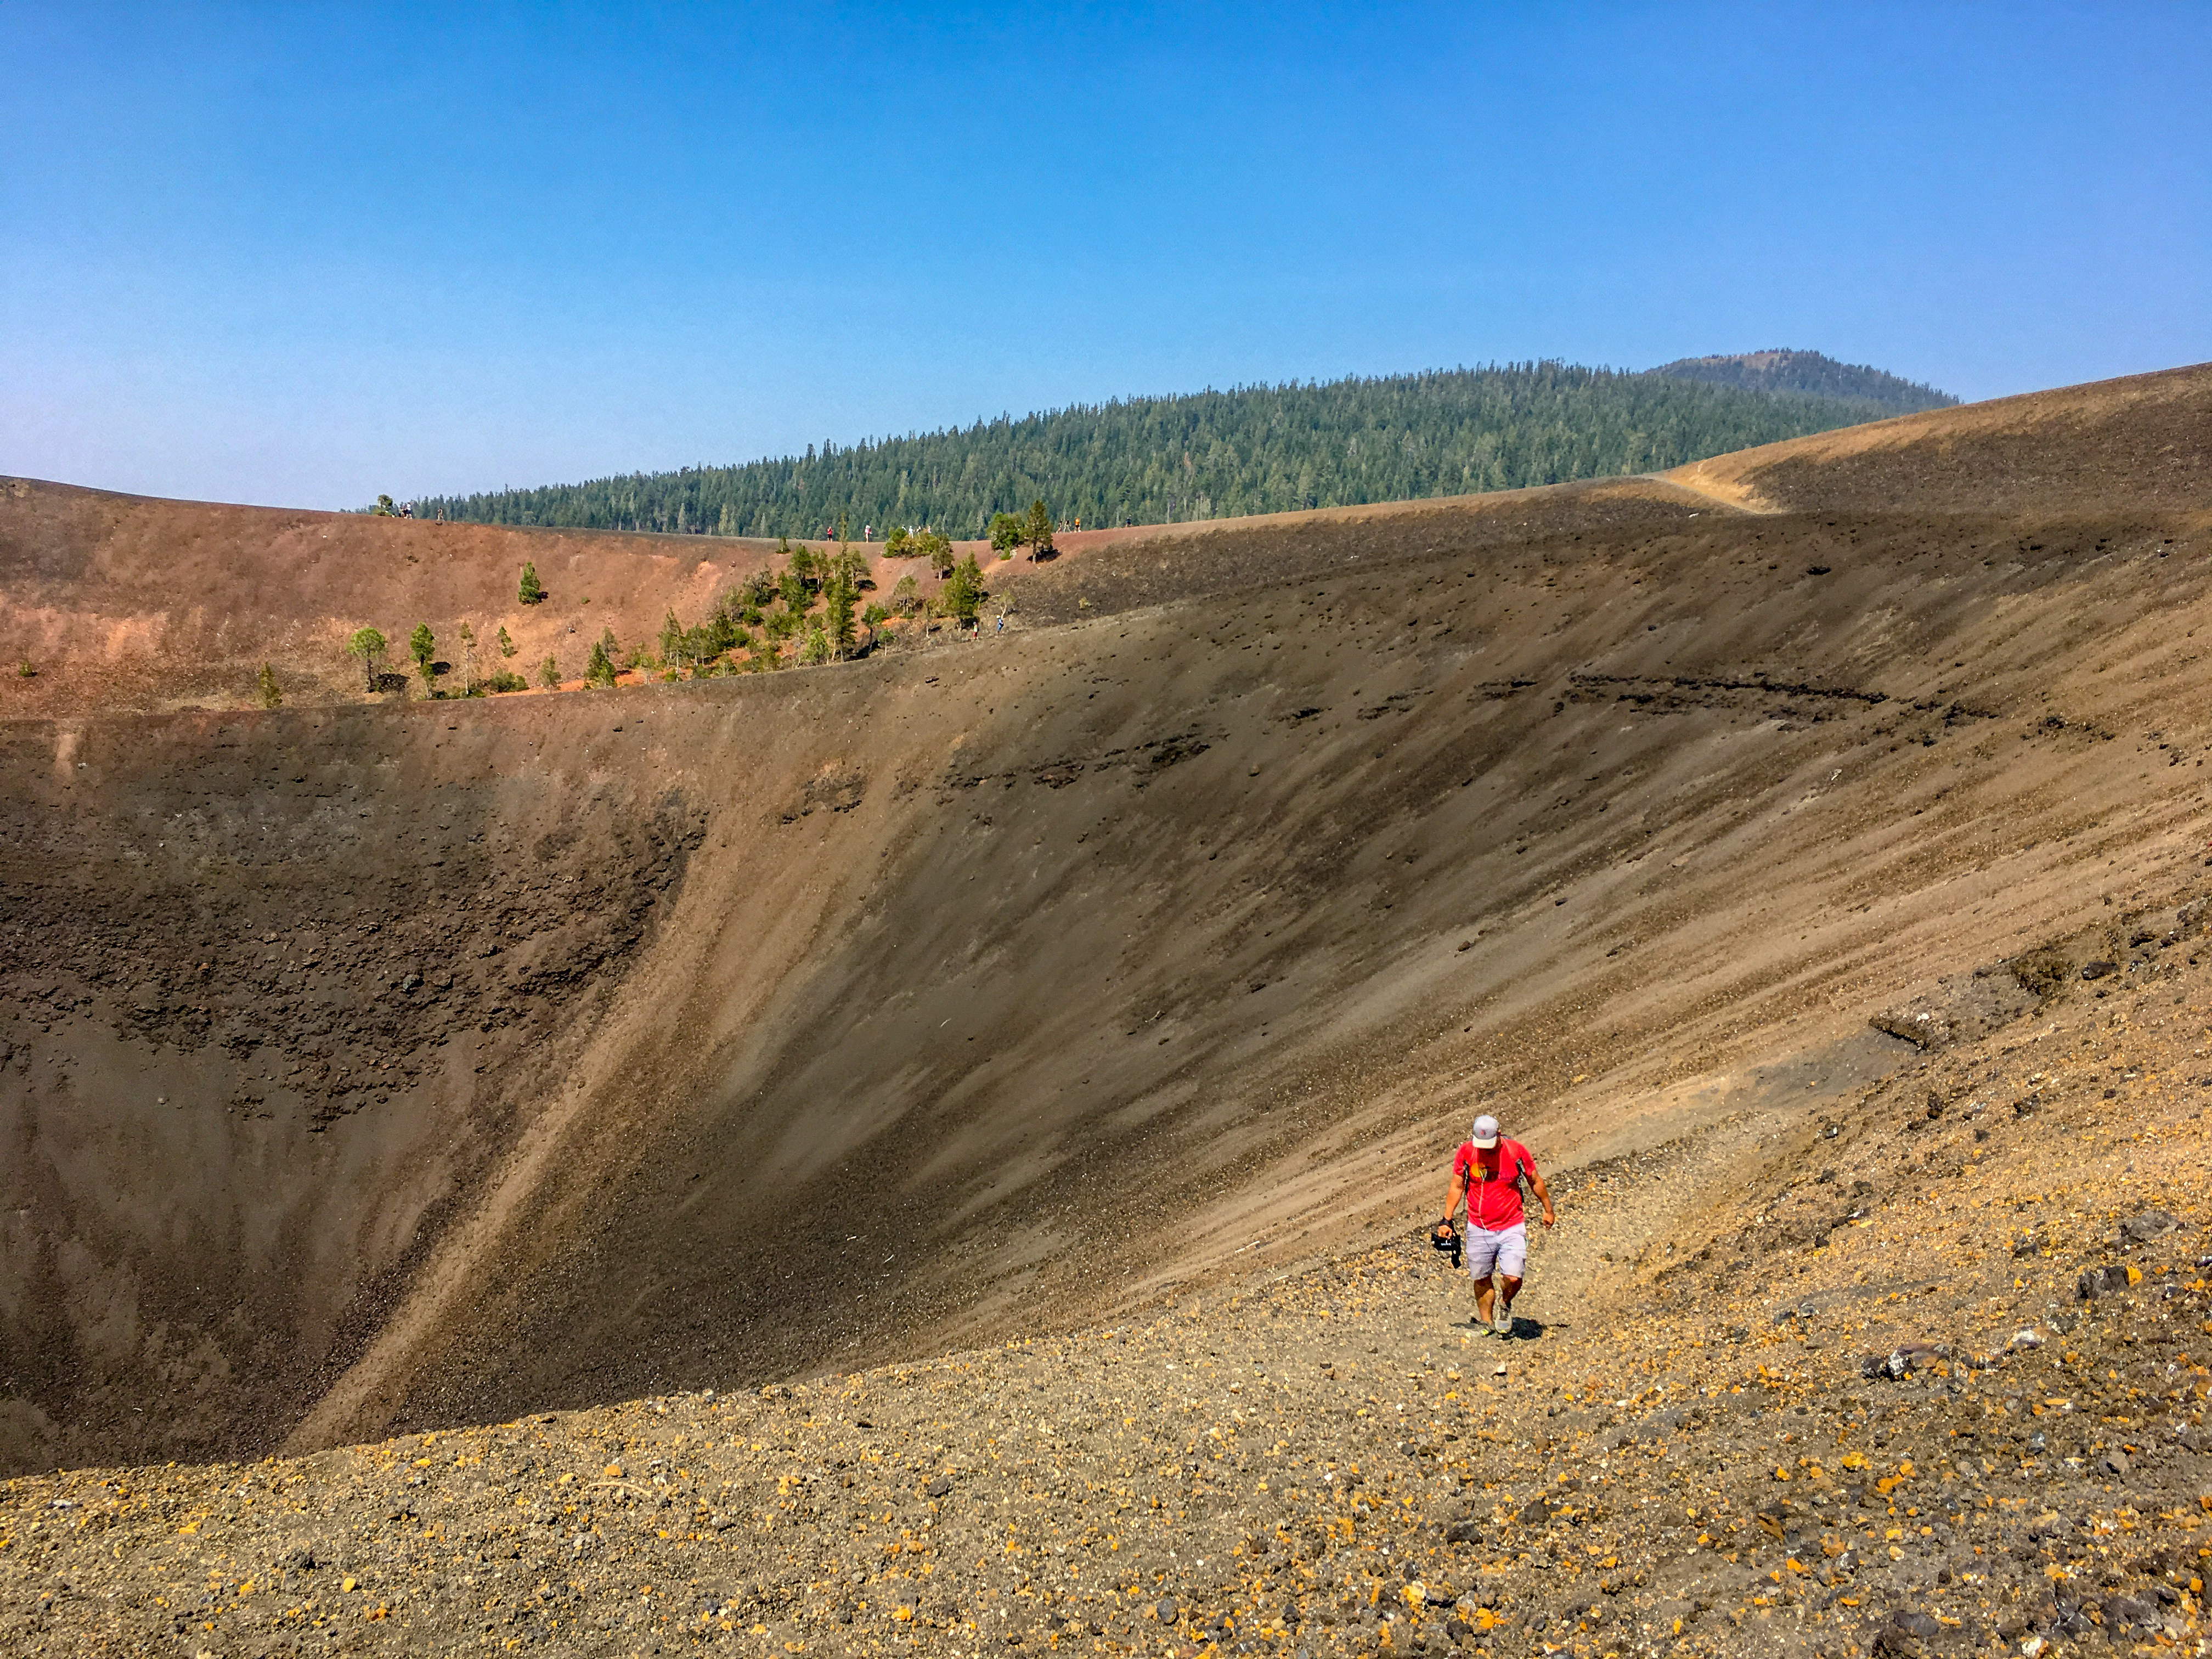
(1486, 1132)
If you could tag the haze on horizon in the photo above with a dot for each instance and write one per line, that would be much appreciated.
(295, 257)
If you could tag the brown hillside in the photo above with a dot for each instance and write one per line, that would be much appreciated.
(2135, 442)
(131, 602)
(415, 1065)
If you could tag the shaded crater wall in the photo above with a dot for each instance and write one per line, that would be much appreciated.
(267, 985)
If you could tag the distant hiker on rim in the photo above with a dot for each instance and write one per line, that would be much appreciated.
(1487, 1171)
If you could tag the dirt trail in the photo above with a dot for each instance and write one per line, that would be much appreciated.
(1718, 492)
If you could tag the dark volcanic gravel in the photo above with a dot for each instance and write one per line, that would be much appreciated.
(1858, 1404)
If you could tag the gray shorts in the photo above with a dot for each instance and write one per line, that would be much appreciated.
(1506, 1252)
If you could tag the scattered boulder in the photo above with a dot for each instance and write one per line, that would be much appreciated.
(1956, 1009)
(1903, 1360)
(2106, 1281)
(2151, 1224)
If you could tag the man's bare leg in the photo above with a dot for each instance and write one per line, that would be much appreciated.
(1483, 1292)
(1510, 1287)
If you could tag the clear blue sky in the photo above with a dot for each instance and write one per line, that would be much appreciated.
(298, 253)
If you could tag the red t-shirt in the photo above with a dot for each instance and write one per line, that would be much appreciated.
(1493, 1184)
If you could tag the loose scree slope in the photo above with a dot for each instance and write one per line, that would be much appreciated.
(367, 1067)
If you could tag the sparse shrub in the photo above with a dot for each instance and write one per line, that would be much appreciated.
(506, 679)
(266, 687)
(385, 507)
(906, 597)
(507, 647)
(897, 545)
(816, 648)
(1006, 533)
(26, 671)
(549, 674)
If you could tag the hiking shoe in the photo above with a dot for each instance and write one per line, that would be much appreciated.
(1481, 1326)
(1501, 1317)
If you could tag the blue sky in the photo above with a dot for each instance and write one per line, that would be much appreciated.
(299, 253)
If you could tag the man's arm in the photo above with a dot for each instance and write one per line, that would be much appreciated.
(1458, 1192)
(1543, 1195)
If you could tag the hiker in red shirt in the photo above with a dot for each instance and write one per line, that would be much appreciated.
(1487, 1171)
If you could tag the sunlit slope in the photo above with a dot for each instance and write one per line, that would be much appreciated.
(134, 603)
(2137, 443)
(867, 1009)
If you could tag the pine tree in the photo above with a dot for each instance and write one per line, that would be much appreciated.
(384, 508)
(938, 552)
(964, 593)
(600, 671)
(1007, 533)
(468, 660)
(1037, 532)
(791, 586)
(672, 642)
(422, 645)
(896, 543)
(507, 647)
(839, 595)
(530, 591)
(369, 645)
(271, 696)
(548, 674)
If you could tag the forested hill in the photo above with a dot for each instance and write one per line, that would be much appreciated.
(1809, 374)
(1209, 454)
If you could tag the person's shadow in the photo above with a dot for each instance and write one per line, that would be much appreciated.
(1531, 1330)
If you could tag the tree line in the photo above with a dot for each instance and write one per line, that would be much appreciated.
(1210, 454)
